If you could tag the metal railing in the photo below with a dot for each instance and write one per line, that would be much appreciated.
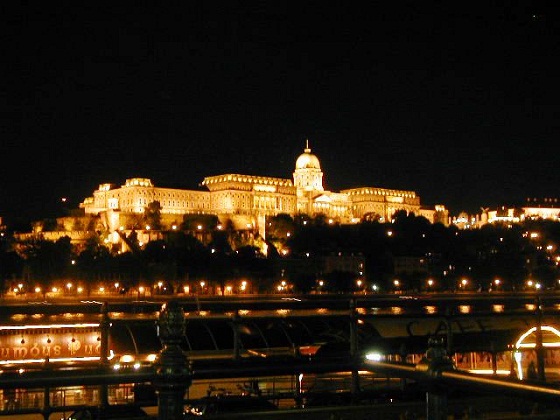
(172, 374)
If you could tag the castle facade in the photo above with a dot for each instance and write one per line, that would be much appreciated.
(246, 200)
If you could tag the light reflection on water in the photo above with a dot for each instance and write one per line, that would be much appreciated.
(430, 309)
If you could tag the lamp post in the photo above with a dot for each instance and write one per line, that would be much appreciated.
(173, 375)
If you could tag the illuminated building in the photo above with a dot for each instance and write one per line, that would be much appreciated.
(533, 209)
(547, 208)
(246, 200)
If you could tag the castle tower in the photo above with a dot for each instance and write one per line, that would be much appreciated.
(308, 179)
(308, 175)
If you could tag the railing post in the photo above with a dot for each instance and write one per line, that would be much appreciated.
(434, 362)
(173, 375)
(47, 395)
(539, 342)
(355, 386)
(449, 329)
(104, 326)
(236, 339)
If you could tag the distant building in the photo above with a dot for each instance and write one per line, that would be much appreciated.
(547, 208)
(534, 208)
(409, 265)
(246, 200)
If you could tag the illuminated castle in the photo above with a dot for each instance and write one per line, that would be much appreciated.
(246, 200)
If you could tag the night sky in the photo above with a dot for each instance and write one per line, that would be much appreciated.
(458, 101)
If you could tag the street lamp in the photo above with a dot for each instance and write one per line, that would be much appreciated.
(497, 283)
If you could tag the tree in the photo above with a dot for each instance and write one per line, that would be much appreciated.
(153, 215)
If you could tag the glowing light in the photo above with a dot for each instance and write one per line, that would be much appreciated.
(375, 357)
(127, 358)
(553, 344)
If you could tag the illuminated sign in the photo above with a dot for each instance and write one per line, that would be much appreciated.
(56, 343)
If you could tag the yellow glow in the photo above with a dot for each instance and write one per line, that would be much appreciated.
(553, 344)
(265, 188)
(489, 371)
(127, 358)
(46, 326)
(57, 359)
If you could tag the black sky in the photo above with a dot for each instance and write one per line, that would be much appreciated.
(455, 100)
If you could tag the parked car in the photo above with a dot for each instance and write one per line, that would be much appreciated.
(217, 405)
(110, 412)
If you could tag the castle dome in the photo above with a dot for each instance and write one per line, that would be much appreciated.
(307, 160)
